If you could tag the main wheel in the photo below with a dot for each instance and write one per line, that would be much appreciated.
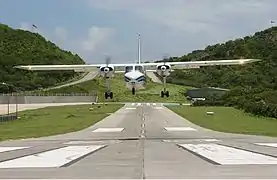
(111, 95)
(162, 94)
(167, 94)
(133, 91)
(106, 95)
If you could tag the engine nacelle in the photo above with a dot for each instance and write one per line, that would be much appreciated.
(164, 70)
(106, 71)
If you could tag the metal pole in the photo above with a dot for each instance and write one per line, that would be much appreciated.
(16, 107)
(9, 104)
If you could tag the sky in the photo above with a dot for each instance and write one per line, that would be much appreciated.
(95, 29)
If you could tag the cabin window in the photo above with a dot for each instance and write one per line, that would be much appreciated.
(128, 69)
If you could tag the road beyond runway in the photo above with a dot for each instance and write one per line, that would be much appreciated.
(140, 141)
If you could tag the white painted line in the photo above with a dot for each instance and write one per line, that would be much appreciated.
(227, 155)
(158, 107)
(131, 108)
(133, 104)
(108, 130)
(209, 140)
(148, 104)
(143, 125)
(5, 149)
(82, 142)
(154, 104)
(267, 144)
(53, 158)
(139, 104)
(179, 129)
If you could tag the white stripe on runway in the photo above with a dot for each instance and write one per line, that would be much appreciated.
(133, 104)
(5, 149)
(179, 129)
(82, 142)
(108, 130)
(131, 108)
(228, 156)
(267, 144)
(148, 104)
(53, 158)
(139, 104)
(158, 107)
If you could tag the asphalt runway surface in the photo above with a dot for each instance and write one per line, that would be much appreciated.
(140, 141)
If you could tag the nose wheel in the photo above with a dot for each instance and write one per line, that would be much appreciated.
(108, 95)
(164, 93)
(133, 91)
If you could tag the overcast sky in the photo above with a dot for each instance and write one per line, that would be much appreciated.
(97, 28)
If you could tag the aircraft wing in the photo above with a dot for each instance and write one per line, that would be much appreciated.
(198, 64)
(74, 67)
(148, 66)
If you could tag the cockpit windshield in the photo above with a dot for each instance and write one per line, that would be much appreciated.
(139, 68)
(128, 69)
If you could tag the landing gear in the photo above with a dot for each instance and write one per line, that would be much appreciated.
(133, 91)
(109, 93)
(164, 92)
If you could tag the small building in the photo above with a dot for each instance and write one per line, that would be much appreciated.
(202, 93)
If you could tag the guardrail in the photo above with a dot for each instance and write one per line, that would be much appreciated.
(8, 117)
(49, 94)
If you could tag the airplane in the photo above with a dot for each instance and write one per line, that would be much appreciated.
(135, 73)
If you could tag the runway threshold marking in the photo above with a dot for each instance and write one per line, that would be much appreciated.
(224, 155)
(179, 129)
(5, 149)
(108, 130)
(53, 158)
(267, 144)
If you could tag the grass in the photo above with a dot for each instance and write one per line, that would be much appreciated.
(228, 119)
(151, 93)
(54, 120)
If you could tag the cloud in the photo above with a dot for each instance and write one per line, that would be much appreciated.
(192, 16)
(97, 36)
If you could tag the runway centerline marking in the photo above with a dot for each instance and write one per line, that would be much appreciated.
(108, 130)
(53, 158)
(227, 155)
(10, 148)
(175, 129)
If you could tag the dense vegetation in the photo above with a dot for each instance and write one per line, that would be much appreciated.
(253, 86)
(19, 47)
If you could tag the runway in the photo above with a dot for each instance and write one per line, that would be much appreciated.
(140, 141)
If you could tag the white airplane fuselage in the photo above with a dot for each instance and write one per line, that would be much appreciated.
(134, 76)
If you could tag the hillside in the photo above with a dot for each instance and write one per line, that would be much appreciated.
(19, 47)
(257, 75)
(253, 86)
